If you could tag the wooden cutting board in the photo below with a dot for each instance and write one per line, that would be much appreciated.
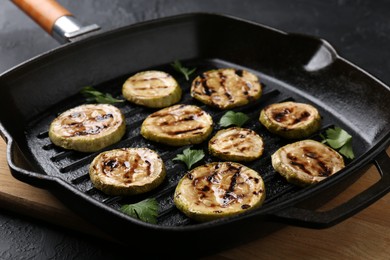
(363, 236)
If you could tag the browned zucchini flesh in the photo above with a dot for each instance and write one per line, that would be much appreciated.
(236, 144)
(291, 120)
(306, 162)
(226, 88)
(178, 125)
(155, 89)
(127, 171)
(88, 128)
(219, 189)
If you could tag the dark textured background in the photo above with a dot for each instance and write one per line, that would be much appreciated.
(358, 30)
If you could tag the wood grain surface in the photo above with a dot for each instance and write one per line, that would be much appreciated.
(366, 235)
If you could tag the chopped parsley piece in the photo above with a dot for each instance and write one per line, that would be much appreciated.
(338, 138)
(190, 157)
(94, 95)
(183, 70)
(145, 210)
(233, 118)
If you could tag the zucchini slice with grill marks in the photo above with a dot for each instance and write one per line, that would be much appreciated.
(306, 162)
(236, 144)
(219, 189)
(155, 89)
(291, 120)
(88, 128)
(226, 88)
(178, 125)
(127, 171)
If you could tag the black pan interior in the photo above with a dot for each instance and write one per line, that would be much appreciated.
(290, 67)
(73, 166)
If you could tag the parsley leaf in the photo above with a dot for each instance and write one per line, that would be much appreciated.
(338, 138)
(190, 157)
(233, 118)
(145, 210)
(93, 95)
(183, 70)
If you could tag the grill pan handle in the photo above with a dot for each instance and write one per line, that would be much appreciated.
(315, 219)
(54, 19)
(20, 167)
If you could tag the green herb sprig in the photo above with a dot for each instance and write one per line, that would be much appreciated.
(189, 157)
(93, 95)
(183, 70)
(145, 210)
(233, 118)
(340, 140)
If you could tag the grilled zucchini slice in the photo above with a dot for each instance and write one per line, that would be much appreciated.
(127, 171)
(178, 125)
(219, 189)
(291, 120)
(88, 128)
(226, 88)
(306, 162)
(155, 89)
(236, 144)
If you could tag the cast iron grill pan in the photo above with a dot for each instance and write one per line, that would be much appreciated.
(73, 166)
(290, 67)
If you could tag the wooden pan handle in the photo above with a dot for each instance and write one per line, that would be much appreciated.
(43, 12)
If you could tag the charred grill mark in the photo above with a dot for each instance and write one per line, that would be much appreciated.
(294, 162)
(197, 133)
(130, 172)
(311, 155)
(148, 167)
(323, 170)
(236, 141)
(234, 180)
(88, 126)
(242, 149)
(205, 188)
(182, 119)
(151, 87)
(109, 165)
(174, 111)
(246, 85)
(229, 194)
(239, 73)
(211, 178)
(245, 206)
(88, 131)
(281, 116)
(104, 117)
(206, 88)
(137, 79)
(300, 166)
(233, 145)
(201, 82)
(187, 118)
(184, 131)
(301, 117)
(223, 78)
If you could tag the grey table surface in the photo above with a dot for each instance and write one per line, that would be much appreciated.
(359, 31)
